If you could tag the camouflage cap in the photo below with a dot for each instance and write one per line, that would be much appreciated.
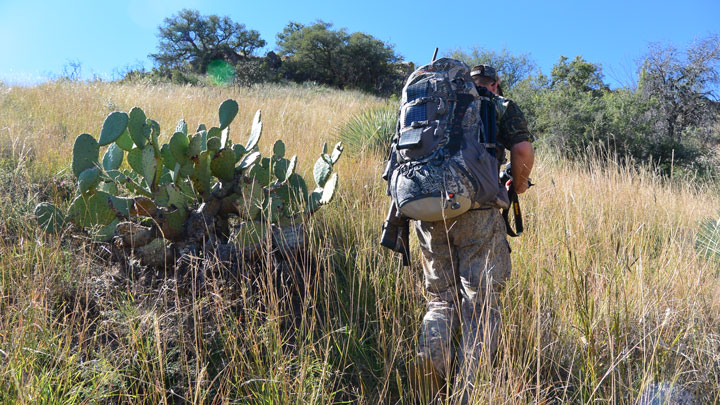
(486, 71)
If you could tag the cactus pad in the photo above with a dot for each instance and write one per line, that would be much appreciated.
(196, 145)
(106, 233)
(143, 162)
(214, 132)
(291, 167)
(114, 126)
(120, 206)
(108, 187)
(176, 198)
(173, 226)
(182, 127)
(91, 210)
(214, 145)
(85, 153)
(255, 132)
(134, 159)
(223, 165)
(178, 144)
(279, 149)
(89, 179)
(125, 142)
(201, 176)
(138, 128)
(337, 151)
(239, 151)
(227, 112)
(50, 218)
(167, 157)
(113, 157)
(321, 171)
(149, 164)
(329, 189)
(280, 169)
(261, 172)
(275, 207)
(225, 137)
(313, 202)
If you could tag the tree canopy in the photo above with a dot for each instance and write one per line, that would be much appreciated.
(194, 40)
(335, 57)
(578, 75)
(511, 67)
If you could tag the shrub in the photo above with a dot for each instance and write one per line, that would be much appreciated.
(254, 71)
(370, 130)
(708, 238)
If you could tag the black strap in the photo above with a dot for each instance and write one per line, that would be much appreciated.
(488, 114)
(515, 207)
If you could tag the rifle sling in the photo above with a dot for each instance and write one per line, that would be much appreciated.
(515, 207)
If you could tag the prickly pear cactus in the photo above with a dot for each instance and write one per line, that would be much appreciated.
(167, 186)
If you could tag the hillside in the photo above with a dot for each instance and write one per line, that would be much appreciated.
(607, 296)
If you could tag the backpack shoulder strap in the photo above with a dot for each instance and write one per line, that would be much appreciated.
(501, 105)
(489, 116)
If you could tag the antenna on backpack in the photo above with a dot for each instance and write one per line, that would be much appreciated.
(434, 55)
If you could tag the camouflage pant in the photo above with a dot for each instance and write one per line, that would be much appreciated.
(466, 262)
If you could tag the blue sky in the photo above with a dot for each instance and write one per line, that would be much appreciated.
(40, 38)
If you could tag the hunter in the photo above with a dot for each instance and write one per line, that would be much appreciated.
(466, 261)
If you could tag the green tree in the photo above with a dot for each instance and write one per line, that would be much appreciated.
(511, 67)
(334, 57)
(569, 111)
(578, 74)
(193, 40)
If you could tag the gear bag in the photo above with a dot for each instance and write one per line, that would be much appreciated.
(438, 168)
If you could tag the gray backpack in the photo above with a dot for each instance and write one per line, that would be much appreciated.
(438, 168)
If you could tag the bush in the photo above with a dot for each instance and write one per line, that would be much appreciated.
(370, 130)
(573, 112)
(254, 71)
(162, 75)
(708, 238)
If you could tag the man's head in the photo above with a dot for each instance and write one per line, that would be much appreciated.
(486, 76)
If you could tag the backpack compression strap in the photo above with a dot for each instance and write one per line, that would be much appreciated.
(456, 131)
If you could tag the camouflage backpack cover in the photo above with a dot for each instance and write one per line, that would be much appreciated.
(438, 168)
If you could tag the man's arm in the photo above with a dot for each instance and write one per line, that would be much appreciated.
(522, 158)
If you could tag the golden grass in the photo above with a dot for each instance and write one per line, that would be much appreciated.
(48, 117)
(607, 295)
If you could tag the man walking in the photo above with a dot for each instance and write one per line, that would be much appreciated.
(466, 261)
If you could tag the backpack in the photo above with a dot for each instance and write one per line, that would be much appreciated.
(438, 167)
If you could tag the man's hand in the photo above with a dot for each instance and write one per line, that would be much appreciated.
(522, 158)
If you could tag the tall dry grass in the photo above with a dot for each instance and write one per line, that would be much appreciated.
(607, 295)
(47, 118)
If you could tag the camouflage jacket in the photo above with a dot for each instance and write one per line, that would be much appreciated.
(512, 126)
